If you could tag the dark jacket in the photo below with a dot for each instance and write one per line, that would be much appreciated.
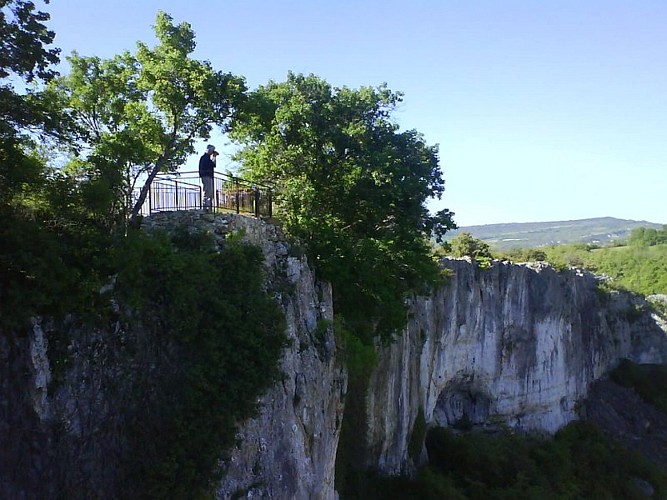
(206, 166)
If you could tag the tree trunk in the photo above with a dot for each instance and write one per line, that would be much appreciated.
(145, 189)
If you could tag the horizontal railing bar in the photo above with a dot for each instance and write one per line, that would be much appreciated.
(174, 191)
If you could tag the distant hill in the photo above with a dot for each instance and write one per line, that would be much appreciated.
(600, 230)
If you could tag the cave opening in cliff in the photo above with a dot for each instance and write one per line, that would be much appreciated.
(461, 403)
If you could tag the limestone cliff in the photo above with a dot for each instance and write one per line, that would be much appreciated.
(515, 345)
(289, 449)
(66, 439)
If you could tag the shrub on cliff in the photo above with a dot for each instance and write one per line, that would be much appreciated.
(464, 245)
(218, 341)
(578, 462)
(638, 268)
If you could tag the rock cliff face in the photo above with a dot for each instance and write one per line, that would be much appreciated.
(515, 345)
(66, 439)
(289, 449)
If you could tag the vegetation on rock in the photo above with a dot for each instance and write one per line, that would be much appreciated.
(464, 245)
(222, 337)
(649, 381)
(351, 188)
(637, 268)
(578, 462)
(214, 332)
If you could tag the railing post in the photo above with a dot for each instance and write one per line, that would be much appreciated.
(238, 195)
(256, 196)
(176, 203)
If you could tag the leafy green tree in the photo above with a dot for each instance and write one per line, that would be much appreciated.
(25, 59)
(352, 188)
(465, 245)
(24, 39)
(139, 114)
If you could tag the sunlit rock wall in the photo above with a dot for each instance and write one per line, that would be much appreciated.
(289, 449)
(511, 345)
(514, 345)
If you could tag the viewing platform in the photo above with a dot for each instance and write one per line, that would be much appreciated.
(183, 191)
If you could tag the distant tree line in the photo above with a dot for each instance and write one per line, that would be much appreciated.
(648, 237)
(640, 266)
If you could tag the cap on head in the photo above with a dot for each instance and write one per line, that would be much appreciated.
(210, 148)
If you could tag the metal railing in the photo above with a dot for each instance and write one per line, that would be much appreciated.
(183, 191)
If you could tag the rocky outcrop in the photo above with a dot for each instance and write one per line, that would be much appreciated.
(289, 449)
(64, 435)
(627, 418)
(511, 345)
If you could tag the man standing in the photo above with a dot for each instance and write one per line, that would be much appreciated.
(206, 167)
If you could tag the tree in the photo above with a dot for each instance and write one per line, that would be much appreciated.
(24, 56)
(24, 39)
(647, 237)
(351, 187)
(464, 245)
(139, 115)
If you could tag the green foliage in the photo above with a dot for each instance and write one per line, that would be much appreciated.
(428, 485)
(211, 337)
(48, 243)
(525, 255)
(640, 269)
(220, 336)
(536, 255)
(24, 37)
(51, 262)
(417, 435)
(25, 55)
(360, 359)
(351, 188)
(139, 115)
(215, 334)
(579, 462)
(650, 381)
(647, 237)
(24, 59)
(21, 173)
(561, 256)
(464, 245)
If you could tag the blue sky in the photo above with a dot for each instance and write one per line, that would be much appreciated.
(543, 110)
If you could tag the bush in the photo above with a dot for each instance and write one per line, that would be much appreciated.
(222, 337)
(578, 462)
(638, 268)
(49, 268)
(464, 245)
